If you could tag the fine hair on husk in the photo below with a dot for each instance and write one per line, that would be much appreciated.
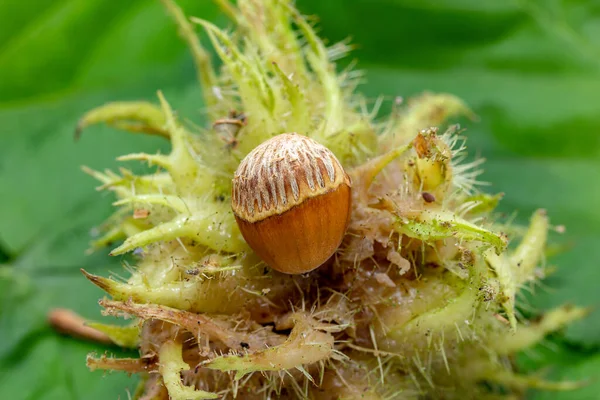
(419, 301)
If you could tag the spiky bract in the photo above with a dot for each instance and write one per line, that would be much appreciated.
(419, 299)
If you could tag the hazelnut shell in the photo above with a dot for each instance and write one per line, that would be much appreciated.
(292, 199)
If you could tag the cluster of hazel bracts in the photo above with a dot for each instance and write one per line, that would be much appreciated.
(399, 275)
(352, 260)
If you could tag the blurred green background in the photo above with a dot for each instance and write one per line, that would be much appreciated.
(529, 69)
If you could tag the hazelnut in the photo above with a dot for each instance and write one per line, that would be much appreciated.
(291, 199)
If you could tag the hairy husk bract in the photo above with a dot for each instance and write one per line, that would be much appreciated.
(419, 301)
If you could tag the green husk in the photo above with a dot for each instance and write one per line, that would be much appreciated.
(420, 298)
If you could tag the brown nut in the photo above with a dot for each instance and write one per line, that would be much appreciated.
(291, 199)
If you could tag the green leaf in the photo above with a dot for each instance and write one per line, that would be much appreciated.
(530, 70)
(563, 362)
(46, 368)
